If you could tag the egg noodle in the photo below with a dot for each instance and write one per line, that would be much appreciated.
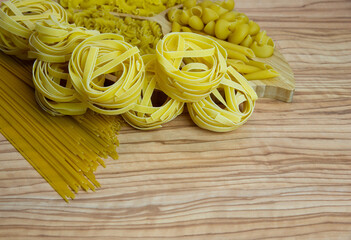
(145, 115)
(79, 71)
(65, 151)
(52, 41)
(102, 57)
(190, 66)
(107, 75)
(222, 114)
(17, 22)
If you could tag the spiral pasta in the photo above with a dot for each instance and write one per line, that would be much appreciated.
(189, 65)
(107, 73)
(135, 7)
(140, 33)
(53, 41)
(17, 22)
(145, 115)
(225, 113)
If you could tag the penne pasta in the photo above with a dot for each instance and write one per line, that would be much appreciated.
(263, 74)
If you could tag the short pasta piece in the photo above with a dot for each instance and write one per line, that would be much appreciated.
(263, 46)
(261, 74)
(135, 7)
(140, 33)
(218, 19)
(253, 70)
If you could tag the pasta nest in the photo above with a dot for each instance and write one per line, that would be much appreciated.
(54, 91)
(110, 77)
(17, 22)
(53, 41)
(228, 107)
(151, 110)
(189, 66)
(107, 73)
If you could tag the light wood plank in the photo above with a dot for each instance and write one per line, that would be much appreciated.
(286, 174)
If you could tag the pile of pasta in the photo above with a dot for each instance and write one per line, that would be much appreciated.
(109, 76)
(140, 33)
(192, 69)
(135, 7)
(218, 19)
(241, 37)
(79, 71)
(66, 151)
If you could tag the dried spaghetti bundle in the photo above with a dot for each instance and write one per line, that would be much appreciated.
(107, 73)
(17, 22)
(65, 151)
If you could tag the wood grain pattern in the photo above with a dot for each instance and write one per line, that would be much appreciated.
(286, 174)
(280, 88)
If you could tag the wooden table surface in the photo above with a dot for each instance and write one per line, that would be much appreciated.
(286, 174)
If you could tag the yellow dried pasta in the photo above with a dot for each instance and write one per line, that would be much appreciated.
(135, 7)
(145, 115)
(107, 57)
(53, 41)
(219, 20)
(66, 152)
(253, 70)
(54, 91)
(189, 65)
(239, 57)
(220, 113)
(17, 22)
(263, 46)
(140, 33)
